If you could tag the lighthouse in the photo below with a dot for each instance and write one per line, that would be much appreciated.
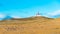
(38, 14)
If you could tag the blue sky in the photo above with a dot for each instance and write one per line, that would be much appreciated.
(26, 8)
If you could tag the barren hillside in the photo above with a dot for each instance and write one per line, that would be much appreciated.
(31, 25)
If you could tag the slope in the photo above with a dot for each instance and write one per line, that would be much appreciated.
(31, 25)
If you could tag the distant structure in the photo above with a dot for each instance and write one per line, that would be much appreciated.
(38, 14)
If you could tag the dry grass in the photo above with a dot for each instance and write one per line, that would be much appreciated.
(33, 25)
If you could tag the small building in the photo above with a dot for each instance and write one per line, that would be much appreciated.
(38, 14)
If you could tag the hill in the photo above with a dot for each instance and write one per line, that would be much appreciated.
(27, 20)
(31, 25)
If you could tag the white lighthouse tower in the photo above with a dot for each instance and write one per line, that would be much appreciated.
(38, 14)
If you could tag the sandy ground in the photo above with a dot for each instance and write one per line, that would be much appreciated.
(32, 27)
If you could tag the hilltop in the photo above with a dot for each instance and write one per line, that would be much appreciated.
(27, 20)
(31, 25)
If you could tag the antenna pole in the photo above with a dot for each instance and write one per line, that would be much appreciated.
(38, 14)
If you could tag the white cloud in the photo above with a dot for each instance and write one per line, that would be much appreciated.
(54, 13)
(15, 16)
(2, 15)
